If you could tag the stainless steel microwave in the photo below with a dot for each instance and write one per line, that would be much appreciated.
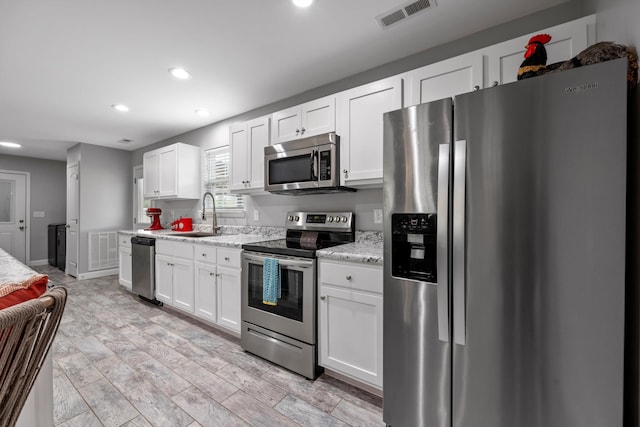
(304, 166)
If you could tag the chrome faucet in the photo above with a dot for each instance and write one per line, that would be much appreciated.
(215, 228)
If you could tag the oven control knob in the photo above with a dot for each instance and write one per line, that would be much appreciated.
(297, 218)
(344, 219)
(290, 218)
(330, 219)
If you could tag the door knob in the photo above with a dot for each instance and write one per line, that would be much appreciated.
(323, 298)
(21, 221)
(21, 227)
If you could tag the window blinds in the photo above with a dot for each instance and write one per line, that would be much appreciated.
(217, 162)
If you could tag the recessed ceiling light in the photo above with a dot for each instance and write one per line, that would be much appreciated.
(120, 107)
(10, 144)
(202, 113)
(302, 3)
(180, 73)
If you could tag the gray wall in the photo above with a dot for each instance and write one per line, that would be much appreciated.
(363, 202)
(105, 193)
(48, 194)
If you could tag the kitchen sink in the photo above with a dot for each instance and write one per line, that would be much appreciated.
(193, 234)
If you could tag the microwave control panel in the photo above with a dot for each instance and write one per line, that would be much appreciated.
(325, 165)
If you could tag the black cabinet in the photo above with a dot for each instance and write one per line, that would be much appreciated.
(57, 245)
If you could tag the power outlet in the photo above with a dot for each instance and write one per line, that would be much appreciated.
(377, 216)
(256, 215)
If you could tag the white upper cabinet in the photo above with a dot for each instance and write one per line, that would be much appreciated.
(360, 112)
(247, 155)
(309, 119)
(447, 78)
(172, 172)
(567, 40)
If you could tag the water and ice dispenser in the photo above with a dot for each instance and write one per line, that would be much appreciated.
(413, 246)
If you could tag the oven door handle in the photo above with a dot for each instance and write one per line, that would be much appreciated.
(282, 262)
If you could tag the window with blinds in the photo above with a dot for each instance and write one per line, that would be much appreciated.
(216, 180)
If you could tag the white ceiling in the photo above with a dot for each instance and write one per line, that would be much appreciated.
(63, 63)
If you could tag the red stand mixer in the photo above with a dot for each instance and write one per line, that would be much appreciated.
(154, 214)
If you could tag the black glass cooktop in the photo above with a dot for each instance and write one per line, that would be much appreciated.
(290, 247)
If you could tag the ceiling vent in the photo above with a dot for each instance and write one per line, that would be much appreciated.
(404, 11)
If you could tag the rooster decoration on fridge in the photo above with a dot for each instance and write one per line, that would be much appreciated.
(535, 58)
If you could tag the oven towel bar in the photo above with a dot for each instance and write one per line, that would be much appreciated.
(270, 281)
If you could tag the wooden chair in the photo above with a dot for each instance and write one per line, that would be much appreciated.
(27, 331)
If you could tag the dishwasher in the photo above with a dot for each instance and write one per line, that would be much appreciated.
(143, 268)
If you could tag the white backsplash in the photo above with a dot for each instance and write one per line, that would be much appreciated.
(272, 208)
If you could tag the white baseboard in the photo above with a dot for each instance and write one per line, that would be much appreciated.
(347, 379)
(39, 262)
(96, 274)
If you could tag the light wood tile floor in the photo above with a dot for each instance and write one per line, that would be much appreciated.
(121, 362)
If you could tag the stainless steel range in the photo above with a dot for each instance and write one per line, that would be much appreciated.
(279, 289)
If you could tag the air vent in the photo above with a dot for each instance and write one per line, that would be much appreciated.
(404, 11)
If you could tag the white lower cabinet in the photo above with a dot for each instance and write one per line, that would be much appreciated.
(124, 261)
(174, 274)
(217, 285)
(350, 320)
(206, 291)
(229, 298)
(164, 279)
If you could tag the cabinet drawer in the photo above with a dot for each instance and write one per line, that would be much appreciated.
(229, 258)
(163, 247)
(183, 250)
(204, 253)
(351, 276)
(175, 249)
(124, 240)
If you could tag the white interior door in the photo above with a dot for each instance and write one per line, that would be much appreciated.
(13, 215)
(73, 218)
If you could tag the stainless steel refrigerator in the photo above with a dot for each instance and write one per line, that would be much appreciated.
(504, 255)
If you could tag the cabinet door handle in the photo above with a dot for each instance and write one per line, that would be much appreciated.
(348, 278)
(297, 131)
(495, 83)
(204, 255)
(226, 258)
(476, 87)
(323, 297)
(302, 131)
(212, 274)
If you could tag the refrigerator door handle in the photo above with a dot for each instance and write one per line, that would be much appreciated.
(459, 209)
(442, 248)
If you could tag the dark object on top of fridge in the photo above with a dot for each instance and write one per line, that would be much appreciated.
(524, 322)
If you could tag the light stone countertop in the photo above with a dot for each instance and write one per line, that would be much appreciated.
(12, 270)
(367, 249)
(231, 237)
